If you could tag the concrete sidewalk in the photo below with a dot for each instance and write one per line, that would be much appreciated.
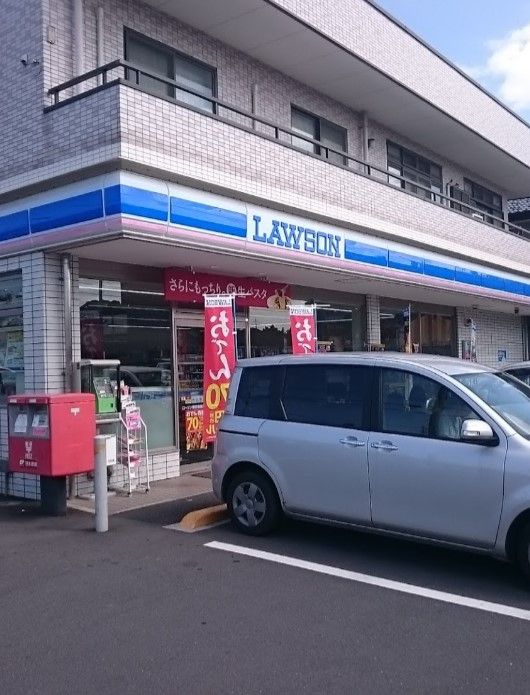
(196, 482)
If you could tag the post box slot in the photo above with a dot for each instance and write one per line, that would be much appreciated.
(29, 420)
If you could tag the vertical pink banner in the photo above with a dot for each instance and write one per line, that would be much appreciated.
(303, 329)
(219, 359)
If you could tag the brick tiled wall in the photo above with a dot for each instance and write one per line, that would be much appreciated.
(43, 345)
(21, 100)
(161, 467)
(84, 134)
(373, 320)
(242, 162)
(494, 332)
(44, 360)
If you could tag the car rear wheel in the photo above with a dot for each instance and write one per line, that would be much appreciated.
(253, 503)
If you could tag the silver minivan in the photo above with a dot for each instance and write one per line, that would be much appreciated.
(421, 446)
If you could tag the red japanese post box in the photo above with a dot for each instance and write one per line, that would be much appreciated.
(52, 435)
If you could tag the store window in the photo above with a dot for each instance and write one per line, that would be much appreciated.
(131, 322)
(339, 329)
(270, 332)
(11, 336)
(414, 327)
(416, 169)
(162, 60)
(328, 133)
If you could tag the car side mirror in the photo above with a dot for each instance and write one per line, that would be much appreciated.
(479, 432)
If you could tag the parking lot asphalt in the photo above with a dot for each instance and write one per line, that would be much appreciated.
(144, 608)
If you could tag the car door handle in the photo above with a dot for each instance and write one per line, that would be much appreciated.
(351, 441)
(385, 446)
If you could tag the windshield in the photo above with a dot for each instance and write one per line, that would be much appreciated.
(507, 396)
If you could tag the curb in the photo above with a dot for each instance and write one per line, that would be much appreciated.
(201, 518)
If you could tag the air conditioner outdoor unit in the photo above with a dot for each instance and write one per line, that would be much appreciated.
(478, 216)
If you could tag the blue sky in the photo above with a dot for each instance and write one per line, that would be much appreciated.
(490, 39)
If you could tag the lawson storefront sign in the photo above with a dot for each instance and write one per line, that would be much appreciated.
(122, 202)
(289, 235)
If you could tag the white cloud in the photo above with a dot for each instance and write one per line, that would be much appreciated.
(510, 63)
(507, 69)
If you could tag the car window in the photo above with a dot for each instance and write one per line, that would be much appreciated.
(331, 395)
(128, 379)
(255, 395)
(416, 405)
(505, 394)
(154, 377)
(147, 377)
(521, 374)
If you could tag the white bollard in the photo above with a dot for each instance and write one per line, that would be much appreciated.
(101, 503)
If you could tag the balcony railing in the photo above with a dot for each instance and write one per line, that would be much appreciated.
(122, 72)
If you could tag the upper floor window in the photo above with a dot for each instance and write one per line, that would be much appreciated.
(486, 200)
(160, 60)
(416, 169)
(316, 128)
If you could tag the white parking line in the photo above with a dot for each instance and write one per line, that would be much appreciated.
(468, 602)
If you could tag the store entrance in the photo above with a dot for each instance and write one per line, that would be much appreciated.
(189, 353)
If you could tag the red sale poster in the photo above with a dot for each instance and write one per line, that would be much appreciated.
(219, 359)
(303, 329)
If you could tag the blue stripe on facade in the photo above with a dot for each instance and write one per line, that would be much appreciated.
(356, 251)
(467, 276)
(60, 213)
(156, 206)
(208, 217)
(136, 201)
(439, 270)
(404, 261)
(492, 282)
(14, 225)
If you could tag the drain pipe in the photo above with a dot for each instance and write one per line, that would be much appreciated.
(100, 40)
(78, 39)
(364, 129)
(67, 322)
(254, 102)
(67, 336)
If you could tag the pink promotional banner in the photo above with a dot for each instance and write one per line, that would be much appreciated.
(303, 329)
(219, 360)
(190, 288)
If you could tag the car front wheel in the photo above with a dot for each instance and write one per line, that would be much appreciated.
(253, 503)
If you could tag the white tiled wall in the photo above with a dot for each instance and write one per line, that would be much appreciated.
(373, 320)
(161, 467)
(43, 345)
(44, 360)
(494, 332)
(285, 178)
(89, 131)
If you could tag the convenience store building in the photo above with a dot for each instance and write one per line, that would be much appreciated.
(169, 154)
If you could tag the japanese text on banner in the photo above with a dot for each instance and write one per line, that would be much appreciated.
(219, 359)
(303, 329)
